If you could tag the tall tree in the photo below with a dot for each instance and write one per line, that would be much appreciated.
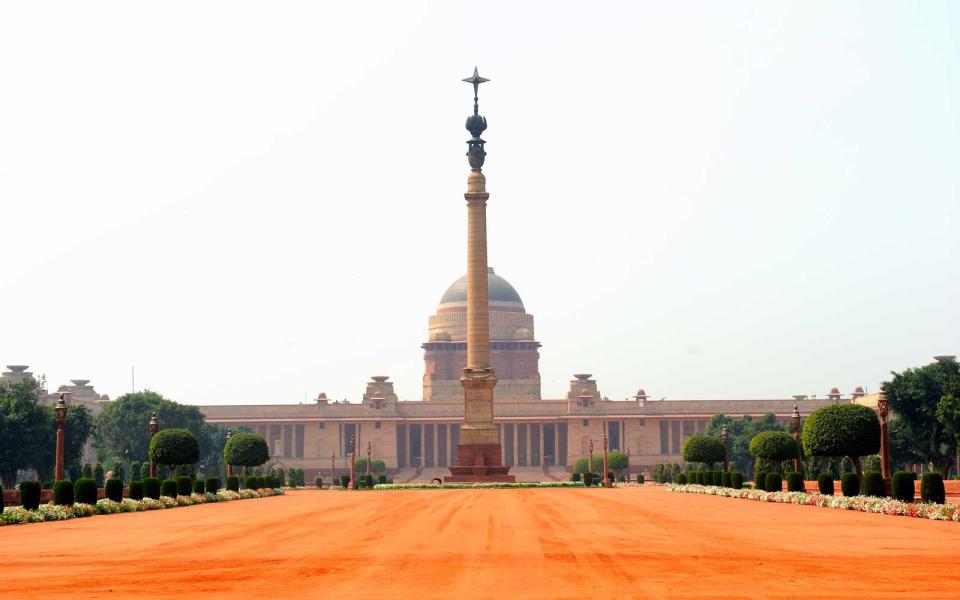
(24, 427)
(123, 428)
(915, 395)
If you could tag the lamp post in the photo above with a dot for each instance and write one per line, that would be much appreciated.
(725, 439)
(229, 466)
(883, 407)
(369, 453)
(333, 469)
(61, 417)
(154, 428)
(606, 480)
(797, 465)
(591, 456)
(628, 465)
(353, 462)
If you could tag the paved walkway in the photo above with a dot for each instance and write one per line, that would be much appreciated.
(623, 543)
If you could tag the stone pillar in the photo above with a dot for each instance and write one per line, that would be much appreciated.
(725, 439)
(229, 467)
(353, 463)
(479, 454)
(333, 469)
(606, 480)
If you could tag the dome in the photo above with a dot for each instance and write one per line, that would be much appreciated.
(499, 290)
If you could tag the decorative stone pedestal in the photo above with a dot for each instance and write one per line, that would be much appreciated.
(479, 463)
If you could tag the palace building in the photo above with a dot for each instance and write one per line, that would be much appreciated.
(540, 437)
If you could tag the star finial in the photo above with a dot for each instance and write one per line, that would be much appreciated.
(476, 80)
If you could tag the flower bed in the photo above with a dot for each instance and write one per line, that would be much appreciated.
(872, 504)
(469, 486)
(52, 512)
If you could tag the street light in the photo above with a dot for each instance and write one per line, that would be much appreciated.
(229, 466)
(798, 467)
(154, 428)
(333, 468)
(591, 456)
(606, 480)
(61, 418)
(725, 438)
(369, 452)
(883, 407)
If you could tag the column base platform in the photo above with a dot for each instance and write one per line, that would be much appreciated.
(479, 463)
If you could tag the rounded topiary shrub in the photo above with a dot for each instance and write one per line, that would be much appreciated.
(703, 449)
(575, 477)
(213, 484)
(199, 487)
(151, 487)
(873, 485)
(931, 488)
(902, 487)
(794, 481)
(345, 480)
(233, 483)
(30, 494)
(184, 485)
(136, 490)
(736, 480)
(63, 493)
(113, 489)
(174, 447)
(850, 484)
(640, 478)
(680, 479)
(825, 483)
(168, 488)
(850, 430)
(587, 478)
(85, 490)
(760, 481)
(319, 480)
(246, 450)
(726, 479)
(773, 482)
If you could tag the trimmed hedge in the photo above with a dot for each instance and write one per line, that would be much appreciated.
(151, 487)
(319, 480)
(381, 479)
(718, 478)
(726, 479)
(213, 484)
(773, 482)
(707, 477)
(760, 481)
(345, 480)
(902, 487)
(199, 487)
(30, 494)
(931, 488)
(575, 477)
(640, 478)
(850, 484)
(136, 490)
(773, 445)
(825, 483)
(85, 490)
(233, 483)
(873, 485)
(184, 485)
(736, 480)
(680, 479)
(63, 493)
(168, 488)
(113, 489)
(794, 481)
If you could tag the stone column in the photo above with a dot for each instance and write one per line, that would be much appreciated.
(353, 463)
(229, 467)
(883, 407)
(61, 417)
(154, 428)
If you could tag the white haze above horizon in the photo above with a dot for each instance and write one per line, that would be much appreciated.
(257, 202)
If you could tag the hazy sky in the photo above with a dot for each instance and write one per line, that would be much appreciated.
(256, 201)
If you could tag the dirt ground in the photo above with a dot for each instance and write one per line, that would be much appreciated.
(548, 543)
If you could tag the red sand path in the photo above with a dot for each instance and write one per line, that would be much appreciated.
(484, 543)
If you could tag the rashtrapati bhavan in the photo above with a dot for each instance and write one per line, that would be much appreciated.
(537, 435)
